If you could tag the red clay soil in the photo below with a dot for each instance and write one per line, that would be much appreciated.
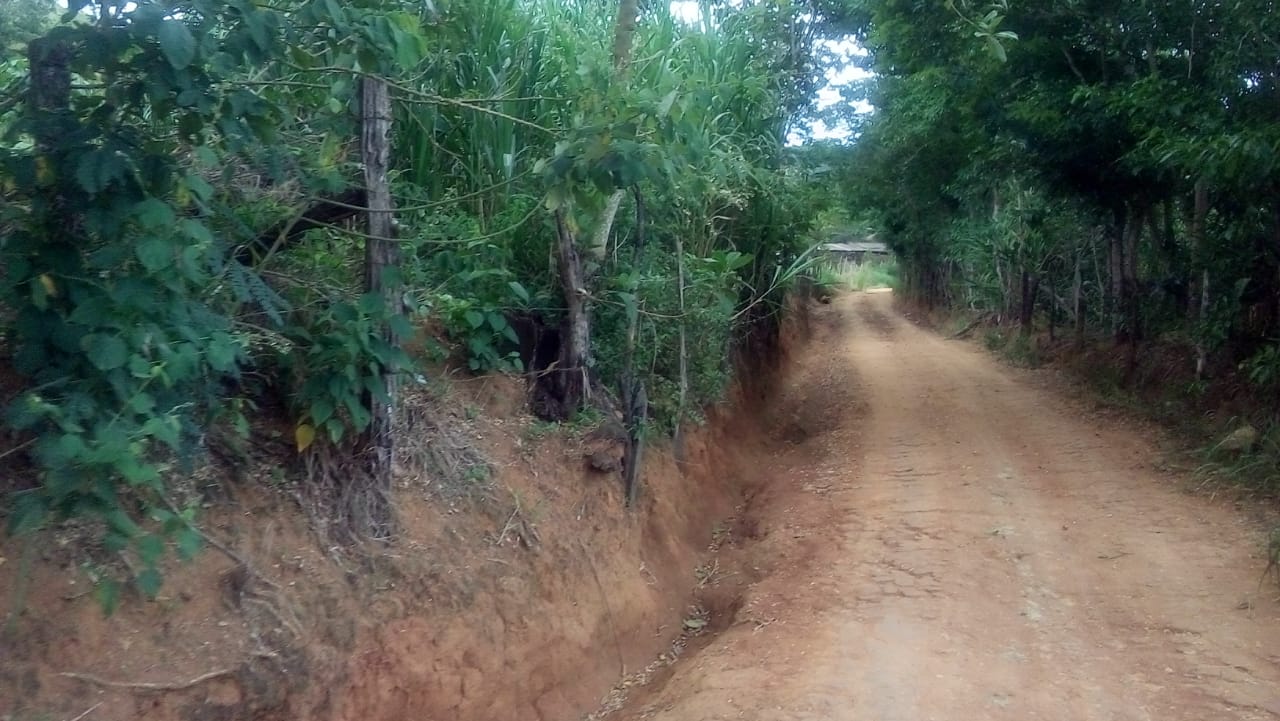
(526, 598)
(943, 537)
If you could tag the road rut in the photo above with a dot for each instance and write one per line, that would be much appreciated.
(945, 538)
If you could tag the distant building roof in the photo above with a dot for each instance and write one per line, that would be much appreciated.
(857, 247)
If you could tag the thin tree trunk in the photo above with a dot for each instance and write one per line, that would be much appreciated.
(1116, 273)
(1053, 313)
(624, 32)
(1077, 304)
(1131, 294)
(599, 248)
(381, 255)
(1202, 351)
(1026, 314)
(635, 400)
(572, 384)
(683, 396)
(1198, 302)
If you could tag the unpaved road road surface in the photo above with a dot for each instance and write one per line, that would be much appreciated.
(945, 538)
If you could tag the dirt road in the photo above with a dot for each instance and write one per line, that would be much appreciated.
(946, 538)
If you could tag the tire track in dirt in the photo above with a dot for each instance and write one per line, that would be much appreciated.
(942, 539)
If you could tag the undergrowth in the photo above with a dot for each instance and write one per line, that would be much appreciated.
(831, 276)
(1015, 347)
(1239, 454)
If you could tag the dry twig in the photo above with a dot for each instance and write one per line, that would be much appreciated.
(146, 685)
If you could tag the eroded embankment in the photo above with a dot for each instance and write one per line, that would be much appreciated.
(526, 596)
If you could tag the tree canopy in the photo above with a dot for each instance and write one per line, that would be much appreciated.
(1112, 165)
(597, 195)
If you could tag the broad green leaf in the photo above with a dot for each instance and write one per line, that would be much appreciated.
(108, 595)
(188, 542)
(154, 213)
(400, 326)
(154, 253)
(27, 515)
(195, 230)
(664, 108)
(142, 403)
(321, 411)
(336, 429)
(177, 44)
(996, 48)
(222, 353)
(519, 290)
(150, 548)
(105, 352)
(149, 581)
(371, 304)
(165, 429)
(199, 187)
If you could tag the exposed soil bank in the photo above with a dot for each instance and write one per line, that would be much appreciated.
(525, 597)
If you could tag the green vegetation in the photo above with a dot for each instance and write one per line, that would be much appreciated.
(197, 202)
(195, 224)
(850, 276)
(1108, 173)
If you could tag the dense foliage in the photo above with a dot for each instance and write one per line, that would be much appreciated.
(180, 179)
(1114, 167)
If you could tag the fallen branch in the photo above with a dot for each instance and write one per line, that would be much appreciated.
(87, 711)
(148, 686)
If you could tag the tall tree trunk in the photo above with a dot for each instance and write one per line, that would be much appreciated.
(624, 32)
(1273, 297)
(48, 104)
(1116, 273)
(635, 400)
(571, 381)
(683, 396)
(49, 89)
(381, 254)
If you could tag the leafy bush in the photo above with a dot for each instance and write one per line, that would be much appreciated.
(338, 360)
(1263, 368)
(711, 290)
(482, 327)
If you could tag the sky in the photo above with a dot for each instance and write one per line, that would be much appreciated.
(840, 75)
